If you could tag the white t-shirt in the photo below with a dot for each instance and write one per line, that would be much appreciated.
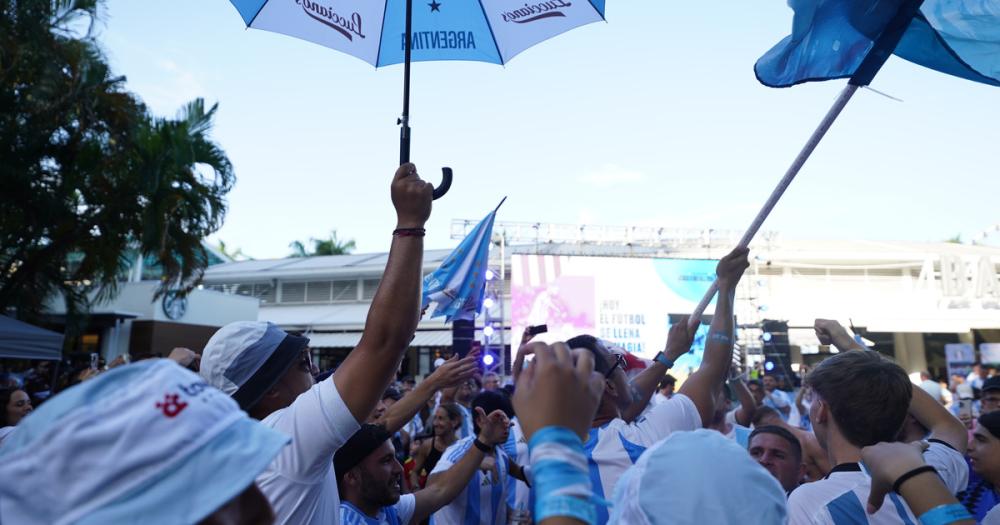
(300, 482)
(737, 432)
(842, 496)
(399, 514)
(992, 517)
(484, 501)
(932, 388)
(659, 398)
(614, 447)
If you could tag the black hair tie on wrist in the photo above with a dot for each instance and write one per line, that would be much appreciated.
(915, 472)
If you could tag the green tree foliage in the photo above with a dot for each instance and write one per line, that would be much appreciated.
(89, 176)
(234, 254)
(329, 246)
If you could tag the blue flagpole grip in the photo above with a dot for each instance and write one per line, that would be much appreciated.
(445, 185)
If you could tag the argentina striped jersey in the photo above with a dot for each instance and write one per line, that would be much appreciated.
(484, 500)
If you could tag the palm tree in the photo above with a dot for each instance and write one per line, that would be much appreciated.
(236, 255)
(88, 175)
(329, 246)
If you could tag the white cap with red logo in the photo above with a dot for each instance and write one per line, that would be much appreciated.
(149, 439)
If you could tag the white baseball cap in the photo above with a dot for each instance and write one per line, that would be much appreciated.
(245, 359)
(149, 441)
(694, 478)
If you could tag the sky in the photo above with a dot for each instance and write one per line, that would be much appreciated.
(653, 118)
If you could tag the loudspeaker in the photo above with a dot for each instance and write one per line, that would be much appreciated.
(777, 352)
(463, 332)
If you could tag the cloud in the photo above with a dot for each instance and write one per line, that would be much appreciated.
(610, 175)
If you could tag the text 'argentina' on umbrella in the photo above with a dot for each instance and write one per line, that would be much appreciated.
(389, 32)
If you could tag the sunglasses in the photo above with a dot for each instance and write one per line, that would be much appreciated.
(305, 361)
(619, 363)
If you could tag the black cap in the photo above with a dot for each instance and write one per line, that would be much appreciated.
(362, 443)
(992, 383)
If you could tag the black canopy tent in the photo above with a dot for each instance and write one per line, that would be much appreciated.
(19, 340)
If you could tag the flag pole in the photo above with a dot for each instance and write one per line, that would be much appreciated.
(881, 49)
(779, 190)
(404, 119)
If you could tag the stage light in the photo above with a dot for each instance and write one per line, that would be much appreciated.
(488, 359)
(766, 337)
(489, 275)
(488, 331)
(488, 303)
(768, 366)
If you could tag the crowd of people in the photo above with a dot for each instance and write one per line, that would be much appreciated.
(246, 430)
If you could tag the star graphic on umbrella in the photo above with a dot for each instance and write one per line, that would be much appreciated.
(435, 6)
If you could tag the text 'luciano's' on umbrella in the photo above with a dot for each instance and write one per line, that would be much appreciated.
(397, 31)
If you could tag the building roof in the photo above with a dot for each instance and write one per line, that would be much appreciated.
(825, 253)
(309, 267)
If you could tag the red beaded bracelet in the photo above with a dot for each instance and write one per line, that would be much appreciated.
(409, 232)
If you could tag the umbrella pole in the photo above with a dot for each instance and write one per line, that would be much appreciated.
(404, 120)
(793, 170)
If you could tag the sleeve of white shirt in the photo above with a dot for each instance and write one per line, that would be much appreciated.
(676, 414)
(319, 423)
(951, 466)
(405, 507)
(452, 455)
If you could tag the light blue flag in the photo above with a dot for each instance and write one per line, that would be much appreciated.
(458, 285)
(852, 38)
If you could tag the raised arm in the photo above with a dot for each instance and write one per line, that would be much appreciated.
(701, 385)
(395, 310)
(419, 458)
(830, 332)
(938, 420)
(451, 373)
(926, 410)
(523, 351)
(555, 404)
(798, 400)
(644, 385)
(744, 414)
(444, 487)
(900, 467)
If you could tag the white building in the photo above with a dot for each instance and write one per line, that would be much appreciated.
(909, 299)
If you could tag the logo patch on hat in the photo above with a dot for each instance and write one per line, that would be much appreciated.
(171, 405)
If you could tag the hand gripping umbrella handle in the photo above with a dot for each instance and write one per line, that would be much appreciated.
(445, 185)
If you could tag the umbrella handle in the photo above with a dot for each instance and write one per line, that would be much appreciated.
(445, 185)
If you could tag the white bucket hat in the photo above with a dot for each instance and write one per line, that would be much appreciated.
(245, 359)
(697, 478)
(149, 442)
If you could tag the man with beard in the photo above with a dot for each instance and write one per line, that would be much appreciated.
(370, 476)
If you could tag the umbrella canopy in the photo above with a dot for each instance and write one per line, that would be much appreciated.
(20, 340)
(482, 30)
